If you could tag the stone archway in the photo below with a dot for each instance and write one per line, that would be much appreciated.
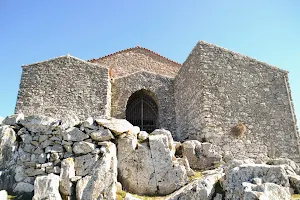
(142, 110)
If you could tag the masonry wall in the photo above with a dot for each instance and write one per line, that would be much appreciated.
(137, 59)
(162, 87)
(216, 88)
(64, 86)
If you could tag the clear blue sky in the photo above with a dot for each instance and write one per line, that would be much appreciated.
(32, 31)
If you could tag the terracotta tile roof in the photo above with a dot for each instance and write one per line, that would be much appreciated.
(133, 48)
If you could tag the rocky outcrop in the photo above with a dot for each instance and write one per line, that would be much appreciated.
(149, 167)
(270, 191)
(49, 146)
(102, 179)
(117, 126)
(201, 155)
(79, 160)
(46, 187)
(249, 179)
(203, 188)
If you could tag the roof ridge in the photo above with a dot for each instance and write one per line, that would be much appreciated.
(132, 48)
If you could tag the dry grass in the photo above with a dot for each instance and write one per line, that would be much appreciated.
(148, 197)
(239, 129)
(197, 175)
(120, 194)
(295, 197)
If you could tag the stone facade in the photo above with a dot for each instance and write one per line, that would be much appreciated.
(161, 87)
(64, 86)
(214, 90)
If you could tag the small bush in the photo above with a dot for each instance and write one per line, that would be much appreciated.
(239, 129)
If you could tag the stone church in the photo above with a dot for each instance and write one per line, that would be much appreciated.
(203, 98)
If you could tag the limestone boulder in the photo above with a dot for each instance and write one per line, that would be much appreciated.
(22, 187)
(101, 183)
(83, 147)
(167, 134)
(143, 135)
(235, 177)
(67, 172)
(270, 191)
(39, 123)
(85, 163)
(8, 146)
(292, 166)
(102, 134)
(70, 121)
(46, 187)
(203, 188)
(148, 167)
(201, 155)
(3, 194)
(117, 126)
(74, 134)
(13, 119)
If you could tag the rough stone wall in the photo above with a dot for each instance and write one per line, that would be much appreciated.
(217, 88)
(162, 87)
(138, 59)
(64, 86)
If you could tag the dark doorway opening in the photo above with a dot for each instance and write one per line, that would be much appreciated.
(142, 111)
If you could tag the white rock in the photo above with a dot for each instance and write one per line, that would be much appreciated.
(3, 195)
(236, 176)
(118, 126)
(83, 147)
(101, 184)
(130, 197)
(70, 121)
(89, 123)
(46, 187)
(84, 164)
(22, 187)
(203, 188)
(39, 123)
(102, 135)
(74, 134)
(201, 155)
(166, 133)
(285, 161)
(143, 135)
(134, 131)
(8, 146)
(268, 191)
(13, 119)
(67, 172)
(148, 168)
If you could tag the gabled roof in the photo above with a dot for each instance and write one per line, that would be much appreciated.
(132, 49)
(68, 56)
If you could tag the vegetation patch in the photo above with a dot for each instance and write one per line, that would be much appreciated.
(197, 175)
(295, 197)
(149, 197)
(239, 129)
(120, 195)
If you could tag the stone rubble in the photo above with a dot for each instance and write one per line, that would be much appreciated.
(201, 155)
(55, 159)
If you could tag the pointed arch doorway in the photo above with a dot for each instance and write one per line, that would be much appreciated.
(142, 110)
